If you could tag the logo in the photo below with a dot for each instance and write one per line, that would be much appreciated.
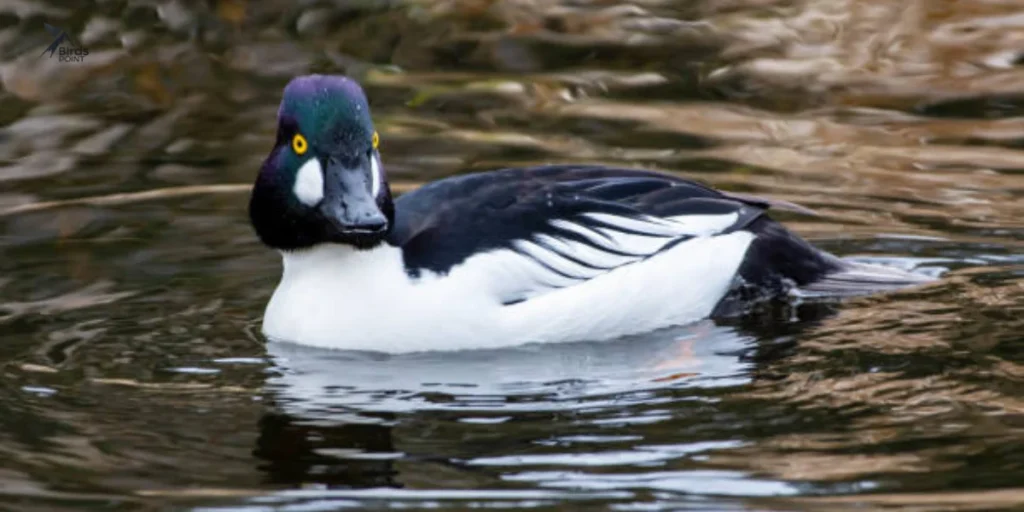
(70, 52)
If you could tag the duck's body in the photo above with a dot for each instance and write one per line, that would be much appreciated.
(546, 254)
(516, 256)
(542, 254)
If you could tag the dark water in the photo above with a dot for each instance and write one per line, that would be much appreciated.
(134, 377)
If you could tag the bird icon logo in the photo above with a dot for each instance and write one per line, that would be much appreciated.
(61, 36)
(76, 53)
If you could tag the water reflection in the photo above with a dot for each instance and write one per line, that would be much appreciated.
(339, 454)
(341, 419)
(346, 420)
(495, 380)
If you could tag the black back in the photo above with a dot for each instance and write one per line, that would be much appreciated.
(441, 224)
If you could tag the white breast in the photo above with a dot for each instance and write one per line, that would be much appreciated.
(338, 297)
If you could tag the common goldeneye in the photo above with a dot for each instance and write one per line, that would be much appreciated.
(540, 254)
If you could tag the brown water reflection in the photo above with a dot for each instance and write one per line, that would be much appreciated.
(131, 285)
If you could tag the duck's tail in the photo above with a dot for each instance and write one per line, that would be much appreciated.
(853, 279)
(779, 263)
(780, 260)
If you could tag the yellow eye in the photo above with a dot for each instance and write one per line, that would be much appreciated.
(299, 144)
(376, 140)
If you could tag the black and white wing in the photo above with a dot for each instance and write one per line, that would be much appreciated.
(530, 231)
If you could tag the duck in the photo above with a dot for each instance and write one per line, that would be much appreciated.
(512, 256)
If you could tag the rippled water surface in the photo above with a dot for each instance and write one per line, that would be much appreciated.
(131, 286)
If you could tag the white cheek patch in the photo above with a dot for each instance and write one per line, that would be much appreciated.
(374, 175)
(309, 183)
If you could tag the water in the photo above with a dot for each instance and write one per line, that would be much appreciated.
(134, 377)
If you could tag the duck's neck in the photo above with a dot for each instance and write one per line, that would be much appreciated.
(328, 276)
(335, 261)
(328, 290)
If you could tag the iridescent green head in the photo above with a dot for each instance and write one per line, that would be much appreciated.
(323, 181)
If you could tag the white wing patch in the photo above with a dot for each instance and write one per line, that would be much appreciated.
(309, 183)
(706, 225)
(647, 224)
(581, 249)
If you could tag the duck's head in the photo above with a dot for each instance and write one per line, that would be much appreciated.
(323, 181)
